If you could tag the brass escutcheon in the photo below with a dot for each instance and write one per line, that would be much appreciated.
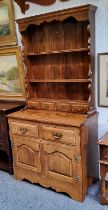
(76, 177)
(23, 130)
(76, 158)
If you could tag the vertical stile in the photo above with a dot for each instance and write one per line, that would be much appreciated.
(89, 71)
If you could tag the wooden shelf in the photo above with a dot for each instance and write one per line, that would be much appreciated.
(104, 140)
(60, 80)
(32, 51)
(81, 102)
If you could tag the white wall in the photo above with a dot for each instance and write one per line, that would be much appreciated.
(101, 37)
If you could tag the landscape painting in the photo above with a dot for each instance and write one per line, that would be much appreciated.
(11, 74)
(4, 20)
(7, 24)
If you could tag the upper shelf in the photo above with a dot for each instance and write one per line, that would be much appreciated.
(30, 52)
(61, 80)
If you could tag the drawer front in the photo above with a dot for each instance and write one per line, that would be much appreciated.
(56, 133)
(104, 152)
(33, 105)
(63, 107)
(48, 106)
(24, 129)
(79, 109)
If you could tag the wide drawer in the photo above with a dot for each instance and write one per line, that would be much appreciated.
(24, 129)
(56, 133)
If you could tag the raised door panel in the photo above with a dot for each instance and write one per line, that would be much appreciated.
(62, 163)
(26, 155)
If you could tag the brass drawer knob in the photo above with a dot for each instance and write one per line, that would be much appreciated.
(23, 130)
(57, 135)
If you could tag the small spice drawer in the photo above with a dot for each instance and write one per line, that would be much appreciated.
(59, 134)
(24, 129)
(78, 108)
(64, 107)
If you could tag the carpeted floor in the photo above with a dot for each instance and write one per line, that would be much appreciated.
(22, 195)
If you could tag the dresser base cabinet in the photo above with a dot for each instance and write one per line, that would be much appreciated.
(53, 154)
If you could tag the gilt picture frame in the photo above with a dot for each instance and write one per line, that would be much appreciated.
(11, 74)
(7, 24)
(103, 79)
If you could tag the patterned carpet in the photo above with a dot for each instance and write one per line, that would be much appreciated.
(22, 195)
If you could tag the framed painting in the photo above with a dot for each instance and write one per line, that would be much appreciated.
(11, 74)
(103, 79)
(7, 24)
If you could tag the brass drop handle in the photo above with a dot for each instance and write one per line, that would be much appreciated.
(23, 130)
(80, 109)
(57, 135)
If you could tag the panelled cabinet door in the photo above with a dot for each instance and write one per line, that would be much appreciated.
(26, 154)
(62, 162)
(2, 127)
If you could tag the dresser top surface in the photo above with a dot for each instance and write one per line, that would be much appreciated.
(50, 117)
(104, 139)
